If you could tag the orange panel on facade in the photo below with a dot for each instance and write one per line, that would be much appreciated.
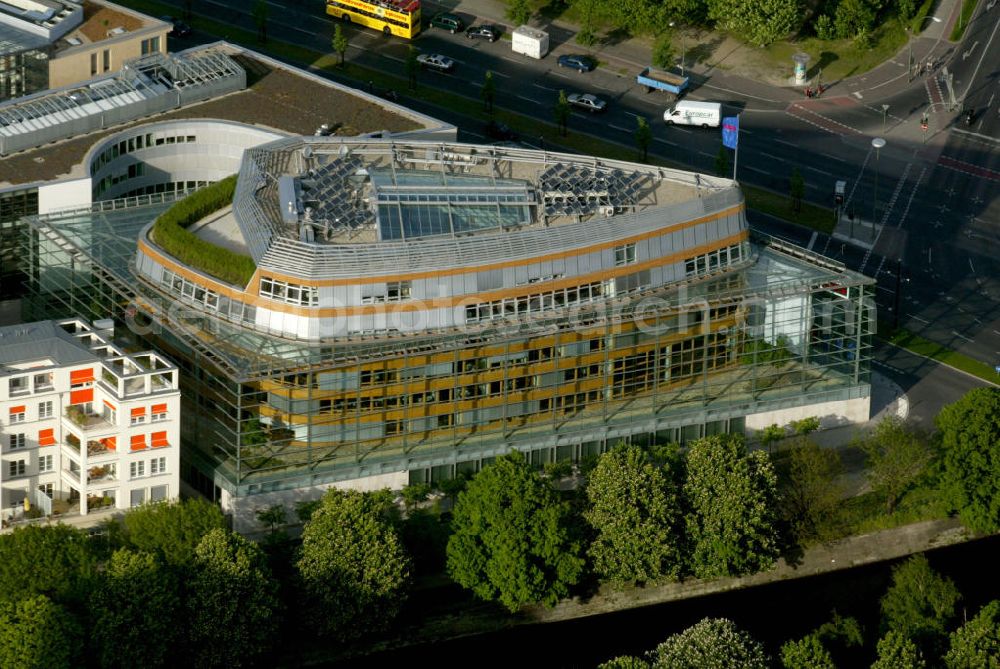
(110, 405)
(81, 396)
(17, 409)
(138, 442)
(81, 376)
(46, 437)
(159, 439)
(138, 411)
(159, 408)
(110, 443)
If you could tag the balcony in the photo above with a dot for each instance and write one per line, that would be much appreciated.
(101, 474)
(97, 449)
(86, 421)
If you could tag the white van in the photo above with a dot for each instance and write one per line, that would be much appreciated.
(530, 42)
(705, 114)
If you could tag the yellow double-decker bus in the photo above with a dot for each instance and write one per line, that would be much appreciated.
(392, 17)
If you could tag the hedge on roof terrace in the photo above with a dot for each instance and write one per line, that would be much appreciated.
(170, 233)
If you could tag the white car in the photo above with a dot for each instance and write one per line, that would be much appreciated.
(587, 101)
(436, 61)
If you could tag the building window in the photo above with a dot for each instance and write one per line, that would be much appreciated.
(16, 440)
(137, 469)
(17, 414)
(158, 466)
(43, 382)
(138, 415)
(625, 254)
(45, 464)
(397, 290)
(44, 410)
(137, 497)
(107, 59)
(46, 488)
(93, 63)
(16, 467)
(18, 385)
(158, 493)
(151, 45)
(158, 413)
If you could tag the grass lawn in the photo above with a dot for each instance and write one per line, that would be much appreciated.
(920, 346)
(810, 215)
(968, 6)
(841, 58)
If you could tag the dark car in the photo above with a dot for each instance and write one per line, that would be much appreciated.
(448, 21)
(179, 29)
(577, 62)
(487, 32)
(500, 131)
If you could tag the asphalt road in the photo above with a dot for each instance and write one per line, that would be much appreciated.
(934, 194)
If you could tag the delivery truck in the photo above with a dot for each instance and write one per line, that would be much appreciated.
(530, 41)
(705, 114)
(661, 80)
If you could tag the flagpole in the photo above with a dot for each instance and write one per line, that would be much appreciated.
(736, 156)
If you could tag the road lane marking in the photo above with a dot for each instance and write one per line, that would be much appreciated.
(918, 318)
(772, 157)
(521, 97)
(667, 141)
(618, 127)
(781, 141)
(827, 155)
(546, 88)
(962, 336)
(816, 169)
(754, 169)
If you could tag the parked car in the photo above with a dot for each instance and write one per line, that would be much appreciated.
(577, 62)
(448, 21)
(485, 31)
(436, 61)
(587, 101)
(179, 29)
(500, 131)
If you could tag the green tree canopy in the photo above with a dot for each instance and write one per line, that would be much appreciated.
(976, 644)
(53, 560)
(920, 603)
(897, 455)
(759, 22)
(812, 492)
(731, 496)
(896, 651)
(135, 611)
(233, 607)
(339, 42)
(510, 539)
(970, 457)
(635, 511)
(806, 653)
(172, 531)
(643, 135)
(488, 92)
(721, 170)
(562, 111)
(518, 11)
(37, 633)
(353, 566)
(713, 643)
(624, 662)
(797, 188)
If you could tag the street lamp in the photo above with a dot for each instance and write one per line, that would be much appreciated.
(909, 45)
(885, 111)
(877, 144)
(683, 49)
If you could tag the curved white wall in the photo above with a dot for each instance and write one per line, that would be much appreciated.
(168, 152)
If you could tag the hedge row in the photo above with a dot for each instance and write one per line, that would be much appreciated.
(170, 232)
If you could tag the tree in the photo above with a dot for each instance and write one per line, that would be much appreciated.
(233, 607)
(713, 643)
(813, 492)
(976, 644)
(624, 662)
(489, 91)
(907, 9)
(339, 42)
(272, 516)
(805, 426)
(510, 537)
(920, 604)
(135, 612)
(412, 67)
(562, 111)
(259, 13)
(518, 11)
(636, 515)
(353, 566)
(797, 189)
(663, 50)
(54, 560)
(587, 35)
(759, 22)
(897, 455)
(853, 18)
(970, 457)
(896, 651)
(731, 496)
(37, 633)
(772, 433)
(643, 136)
(415, 493)
(172, 531)
(722, 162)
(806, 653)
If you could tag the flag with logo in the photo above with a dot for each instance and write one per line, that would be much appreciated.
(731, 131)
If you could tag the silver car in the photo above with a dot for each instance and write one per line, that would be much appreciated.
(587, 101)
(436, 61)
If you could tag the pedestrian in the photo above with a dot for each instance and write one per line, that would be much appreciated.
(808, 92)
(371, 87)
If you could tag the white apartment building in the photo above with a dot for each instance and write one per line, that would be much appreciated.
(83, 422)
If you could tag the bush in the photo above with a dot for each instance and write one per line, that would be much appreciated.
(170, 232)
